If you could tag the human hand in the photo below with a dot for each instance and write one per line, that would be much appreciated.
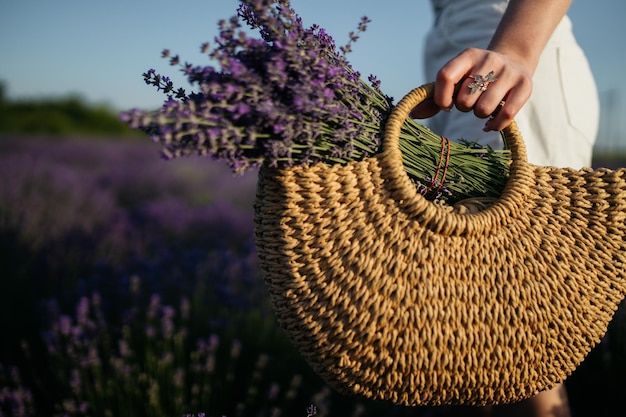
(458, 84)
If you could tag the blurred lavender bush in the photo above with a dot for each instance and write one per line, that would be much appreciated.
(85, 203)
(15, 399)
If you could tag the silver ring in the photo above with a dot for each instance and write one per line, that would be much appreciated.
(481, 83)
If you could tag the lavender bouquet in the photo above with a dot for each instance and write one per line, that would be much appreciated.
(291, 97)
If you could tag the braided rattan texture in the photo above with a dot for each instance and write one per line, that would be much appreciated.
(392, 297)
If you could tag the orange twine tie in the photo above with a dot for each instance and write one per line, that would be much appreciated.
(445, 151)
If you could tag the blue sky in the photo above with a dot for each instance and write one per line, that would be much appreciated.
(99, 49)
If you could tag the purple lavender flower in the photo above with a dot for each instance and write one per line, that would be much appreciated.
(15, 399)
(282, 99)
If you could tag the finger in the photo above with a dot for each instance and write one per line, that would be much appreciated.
(515, 100)
(449, 79)
(425, 109)
(474, 93)
(490, 100)
(465, 99)
(498, 108)
(503, 117)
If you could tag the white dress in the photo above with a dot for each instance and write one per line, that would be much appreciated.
(559, 123)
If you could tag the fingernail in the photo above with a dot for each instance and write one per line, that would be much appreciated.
(447, 109)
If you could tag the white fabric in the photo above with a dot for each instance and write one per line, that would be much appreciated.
(560, 121)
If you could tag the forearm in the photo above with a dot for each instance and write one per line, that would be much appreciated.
(526, 27)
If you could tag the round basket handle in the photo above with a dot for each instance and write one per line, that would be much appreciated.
(512, 136)
(521, 176)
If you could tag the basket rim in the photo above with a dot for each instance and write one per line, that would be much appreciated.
(502, 212)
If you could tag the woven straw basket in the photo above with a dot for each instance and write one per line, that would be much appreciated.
(392, 297)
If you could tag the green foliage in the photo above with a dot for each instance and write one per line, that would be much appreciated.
(60, 116)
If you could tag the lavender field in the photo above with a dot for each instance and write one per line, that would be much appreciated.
(129, 286)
